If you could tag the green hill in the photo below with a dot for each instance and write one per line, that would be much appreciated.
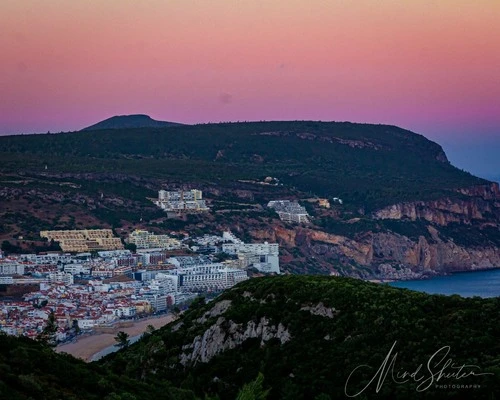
(367, 165)
(305, 335)
(128, 122)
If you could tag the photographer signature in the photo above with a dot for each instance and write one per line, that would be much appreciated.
(438, 367)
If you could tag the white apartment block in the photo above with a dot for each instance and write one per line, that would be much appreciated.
(181, 201)
(267, 263)
(229, 236)
(11, 268)
(209, 277)
(262, 256)
(159, 302)
(76, 269)
(164, 284)
(255, 248)
(114, 253)
(289, 211)
(52, 258)
(61, 277)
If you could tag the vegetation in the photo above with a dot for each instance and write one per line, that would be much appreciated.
(122, 339)
(366, 165)
(31, 370)
(368, 320)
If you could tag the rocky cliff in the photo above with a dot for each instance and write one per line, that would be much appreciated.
(477, 204)
(450, 239)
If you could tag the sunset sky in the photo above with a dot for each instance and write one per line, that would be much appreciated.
(429, 66)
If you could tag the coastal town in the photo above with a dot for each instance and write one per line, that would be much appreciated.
(95, 282)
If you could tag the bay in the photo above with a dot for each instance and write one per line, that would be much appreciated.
(466, 284)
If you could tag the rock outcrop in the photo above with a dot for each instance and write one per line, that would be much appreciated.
(226, 334)
(479, 203)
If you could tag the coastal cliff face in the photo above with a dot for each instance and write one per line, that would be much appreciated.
(479, 203)
(391, 255)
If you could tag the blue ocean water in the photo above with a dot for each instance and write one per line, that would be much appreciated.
(466, 284)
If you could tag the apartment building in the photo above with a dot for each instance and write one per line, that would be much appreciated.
(289, 211)
(181, 201)
(147, 240)
(11, 267)
(78, 241)
(262, 256)
(209, 277)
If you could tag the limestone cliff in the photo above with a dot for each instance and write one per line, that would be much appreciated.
(226, 334)
(384, 253)
(479, 203)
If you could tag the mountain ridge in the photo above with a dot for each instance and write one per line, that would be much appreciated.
(404, 205)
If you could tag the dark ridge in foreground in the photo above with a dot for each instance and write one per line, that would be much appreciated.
(306, 334)
(130, 121)
(295, 337)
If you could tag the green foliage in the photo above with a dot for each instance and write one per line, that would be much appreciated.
(366, 165)
(9, 248)
(366, 321)
(122, 339)
(30, 370)
(131, 246)
(253, 390)
(471, 236)
(411, 229)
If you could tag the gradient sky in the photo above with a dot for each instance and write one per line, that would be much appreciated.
(429, 66)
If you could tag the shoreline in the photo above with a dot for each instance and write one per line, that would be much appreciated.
(88, 346)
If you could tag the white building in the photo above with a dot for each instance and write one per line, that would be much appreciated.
(289, 211)
(11, 268)
(159, 302)
(61, 277)
(76, 269)
(209, 277)
(262, 256)
(86, 323)
(184, 200)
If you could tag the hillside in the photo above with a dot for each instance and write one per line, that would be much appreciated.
(303, 334)
(368, 165)
(307, 334)
(406, 211)
(30, 370)
(128, 122)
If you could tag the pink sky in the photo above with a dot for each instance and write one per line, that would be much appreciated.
(426, 65)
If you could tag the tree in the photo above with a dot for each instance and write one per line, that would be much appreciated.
(8, 247)
(48, 334)
(197, 303)
(131, 246)
(122, 340)
(176, 310)
(75, 327)
(253, 390)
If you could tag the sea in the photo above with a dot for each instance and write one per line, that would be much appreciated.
(465, 284)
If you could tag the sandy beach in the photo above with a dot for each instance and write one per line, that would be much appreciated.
(87, 346)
